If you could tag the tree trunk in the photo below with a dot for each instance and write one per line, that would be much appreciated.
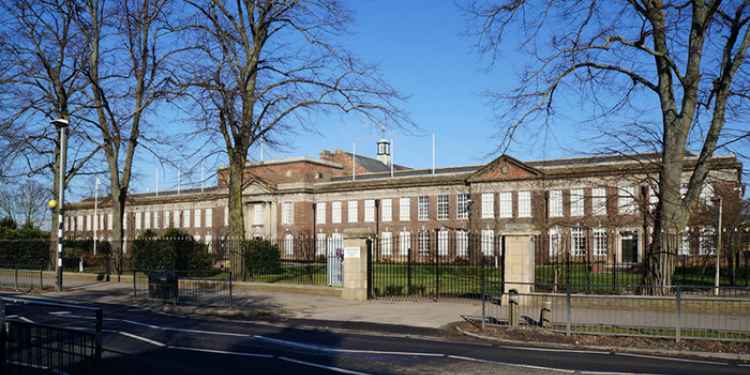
(55, 223)
(118, 208)
(236, 216)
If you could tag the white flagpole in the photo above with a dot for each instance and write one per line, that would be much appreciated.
(433, 153)
(392, 161)
(354, 161)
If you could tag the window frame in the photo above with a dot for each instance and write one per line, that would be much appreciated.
(352, 206)
(488, 205)
(369, 211)
(404, 209)
(577, 202)
(336, 212)
(386, 210)
(556, 203)
(505, 200)
(462, 205)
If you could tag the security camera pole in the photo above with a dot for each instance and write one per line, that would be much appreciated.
(62, 125)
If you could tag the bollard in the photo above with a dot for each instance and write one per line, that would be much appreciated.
(545, 315)
(513, 309)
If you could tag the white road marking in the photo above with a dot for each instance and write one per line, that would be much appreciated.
(478, 360)
(186, 330)
(60, 313)
(338, 350)
(38, 367)
(141, 338)
(672, 359)
(256, 355)
(743, 365)
(336, 369)
(554, 350)
(25, 319)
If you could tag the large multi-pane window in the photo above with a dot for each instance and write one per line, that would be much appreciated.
(386, 241)
(506, 204)
(423, 240)
(287, 213)
(684, 248)
(157, 214)
(259, 214)
(79, 223)
(600, 241)
(555, 203)
(653, 198)
(138, 223)
(524, 204)
(488, 242)
(352, 211)
(423, 208)
(488, 205)
(109, 221)
(320, 244)
(197, 218)
(210, 217)
(404, 242)
(336, 212)
(186, 218)
(707, 193)
(599, 201)
(404, 209)
(369, 211)
(442, 206)
(576, 202)
(320, 213)
(226, 216)
(462, 206)
(626, 200)
(167, 220)
(462, 243)
(386, 210)
(442, 249)
(707, 241)
(577, 242)
(146, 220)
(554, 242)
(289, 244)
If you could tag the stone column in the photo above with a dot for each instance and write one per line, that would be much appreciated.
(355, 269)
(519, 262)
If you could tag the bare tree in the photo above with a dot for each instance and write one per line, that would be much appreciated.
(128, 49)
(263, 66)
(25, 203)
(682, 60)
(40, 59)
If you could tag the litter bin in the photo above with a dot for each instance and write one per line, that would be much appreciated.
(162, 285)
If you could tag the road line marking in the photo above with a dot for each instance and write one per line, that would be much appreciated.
(141, 338)
(672, 359)
(332, 368)
(25, 319)
(555, 350)
(338, 350)
(478, 360)
(256, 355)
(743, 365)
(38, 367)
(186, 330)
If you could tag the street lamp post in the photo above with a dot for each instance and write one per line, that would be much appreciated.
(717, 276)
(62, 125)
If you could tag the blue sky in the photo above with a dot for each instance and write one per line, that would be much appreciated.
(421, 50)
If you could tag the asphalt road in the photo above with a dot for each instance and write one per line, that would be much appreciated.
(142, 342)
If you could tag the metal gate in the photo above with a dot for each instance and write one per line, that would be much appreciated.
(335, 259)
(435, 265)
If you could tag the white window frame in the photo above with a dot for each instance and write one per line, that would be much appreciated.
(197, 222)
(226, 216)
(423, 243)
(109, 221)
(369, 210)
(626, 200)
(488, 242)
(186, 218)
(600, 241)
(442, 207)
(442, 242)
(320, 213)
(577, 242)
(209, 243)
(138, 220)
(147, 220)
(462, 243)
(156, 224)
(404, 241)
(209, 218)
(321, 243)
(289, 245)
(577, 199)
(336, 212)
(352, 211)
(599, 201)
(653, 198)
(423, 208)
(488, 205)
(287, 213)
(462, 205)
(707, 244)
(386, 210)
(706, 195)
(555, 203)
(386, 243)
(524, 204)
(259, 214)
(176, 219)
(167, 219)
(554, 242)
(506, 204)
(404, 209)
(684, 248)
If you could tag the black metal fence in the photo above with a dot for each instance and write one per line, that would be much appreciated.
(184, 287)
(435, 265)
(28, 348)
(22, 276)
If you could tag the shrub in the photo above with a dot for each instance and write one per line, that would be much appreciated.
(174, 250)
(261, 257)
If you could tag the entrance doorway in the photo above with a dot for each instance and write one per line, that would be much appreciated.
(629, 246)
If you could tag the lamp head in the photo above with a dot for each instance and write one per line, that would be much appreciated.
(52, 204)
(60, 123)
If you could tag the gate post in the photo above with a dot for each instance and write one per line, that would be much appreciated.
(518, 270)
(355, 269)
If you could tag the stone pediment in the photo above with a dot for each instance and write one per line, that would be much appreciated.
(257, 186)
(504, 168)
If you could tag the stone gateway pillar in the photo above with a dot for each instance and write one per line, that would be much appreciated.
(519, 262)
(355, 269)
